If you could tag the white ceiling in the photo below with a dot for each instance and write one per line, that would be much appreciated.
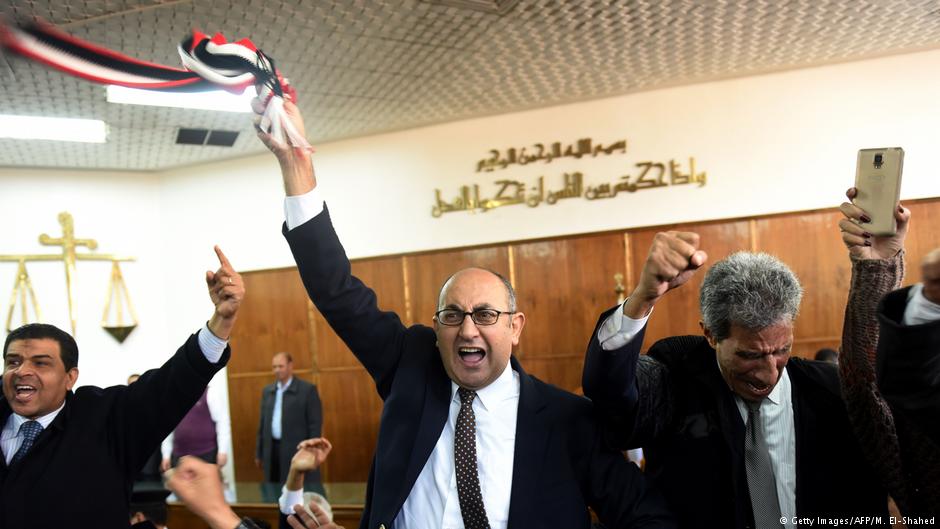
(363, 67)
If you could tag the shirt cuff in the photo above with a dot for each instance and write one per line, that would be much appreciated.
(618, 329)
(211, 345)
(299, 209)
(289, 498)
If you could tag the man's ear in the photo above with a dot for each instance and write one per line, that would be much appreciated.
(516, 323)
(708, 335)
(71, 376)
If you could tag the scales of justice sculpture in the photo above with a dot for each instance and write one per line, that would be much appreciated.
(117, 295)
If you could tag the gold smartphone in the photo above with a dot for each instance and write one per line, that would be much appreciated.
(878, 185)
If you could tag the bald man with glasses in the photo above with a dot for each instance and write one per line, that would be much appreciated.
(467, 438)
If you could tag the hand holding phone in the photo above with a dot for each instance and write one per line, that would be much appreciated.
(878, 186)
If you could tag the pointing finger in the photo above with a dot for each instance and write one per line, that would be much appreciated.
(222, 259)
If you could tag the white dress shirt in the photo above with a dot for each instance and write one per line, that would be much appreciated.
(11, 438)
(919, 309)
(433, 499)
(276, 423)
(289, 498)
(211, 346)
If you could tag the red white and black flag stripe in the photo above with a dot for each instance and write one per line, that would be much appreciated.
(209, 64)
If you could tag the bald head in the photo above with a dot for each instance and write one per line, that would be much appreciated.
(930, 275)
(475, 354)
(476, 274)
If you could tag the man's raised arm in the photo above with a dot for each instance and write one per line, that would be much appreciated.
(159, 400)
(349, 306)
(610, 377)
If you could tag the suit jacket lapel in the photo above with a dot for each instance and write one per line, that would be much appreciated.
(800, 411)
(5, 412)
(431, 423)
(730, 422)
(532, 438)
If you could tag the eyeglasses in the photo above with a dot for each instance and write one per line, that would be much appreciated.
(455, 317)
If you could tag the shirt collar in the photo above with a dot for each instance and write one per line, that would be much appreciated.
(501, 389)
(920, 309)
(44, 421)
(777, 394)
(285, 385)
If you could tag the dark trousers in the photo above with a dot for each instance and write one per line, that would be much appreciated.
(275, 474)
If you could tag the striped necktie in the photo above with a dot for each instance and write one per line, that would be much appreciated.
(760, 473)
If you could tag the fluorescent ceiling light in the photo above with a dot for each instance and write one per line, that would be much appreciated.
(214, 100)
(59, 129)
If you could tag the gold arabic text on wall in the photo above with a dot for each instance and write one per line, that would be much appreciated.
(538, 152)
(511, 192)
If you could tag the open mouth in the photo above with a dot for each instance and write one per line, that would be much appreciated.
(471, 356)
(24, 392)
(758, 388)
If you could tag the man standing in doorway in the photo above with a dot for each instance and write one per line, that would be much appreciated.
(290, 413)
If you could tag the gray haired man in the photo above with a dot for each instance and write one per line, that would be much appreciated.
(736, 433)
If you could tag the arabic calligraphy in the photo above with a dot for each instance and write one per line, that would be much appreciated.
(511, 192)
(541, 152)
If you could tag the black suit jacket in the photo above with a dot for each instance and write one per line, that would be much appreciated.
(301, 418)
(908, 364)
(560, 466)
(80, 470)
(908, 371)
(674, 403)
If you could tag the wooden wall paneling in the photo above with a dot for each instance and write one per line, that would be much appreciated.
(562, 286)
(810, 243)
(382, 275)
(427, 272)
(351, 406)
(677, 313)
(807, 347)
(352, 409)
(272, 318)
(562, 280)
(922, 237)
(244, 399)
(562, 371)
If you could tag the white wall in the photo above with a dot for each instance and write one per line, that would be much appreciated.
(124, 212)
(771, 143)
(120, 211)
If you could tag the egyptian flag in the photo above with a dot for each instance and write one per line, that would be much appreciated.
(208, 64)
